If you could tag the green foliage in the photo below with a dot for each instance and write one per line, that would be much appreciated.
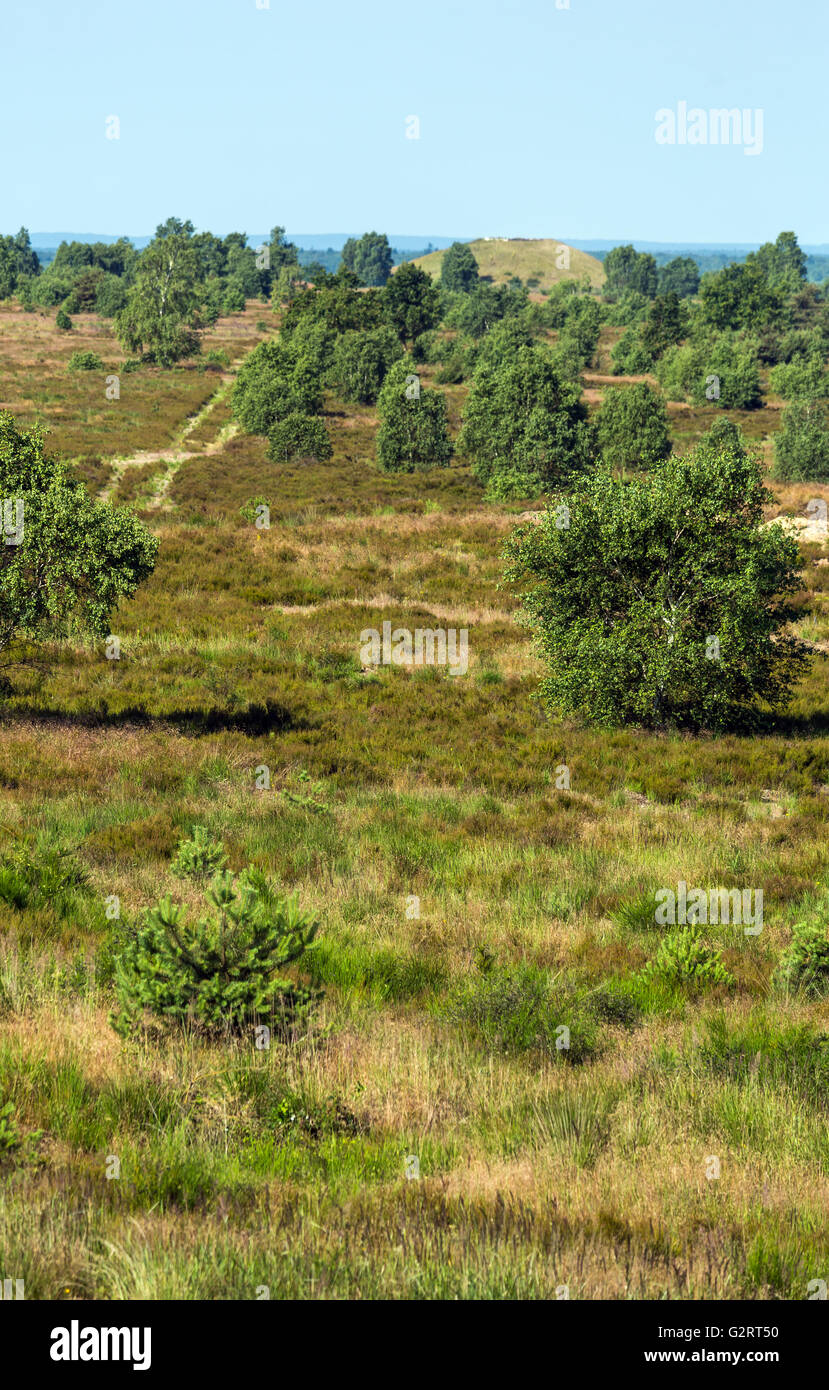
(477, 312)
(84, 362)
(782, 263)
(413, 431)
(722, 371)
(632, 427)
(110, 296)
(520, 1009)
(680, 276)
(9, 1133)
(458, 269)
(299, 436)
(801, 379)
(38, 876)
(627, 269)
(77, 558)
(233, 299)
(626, 311)
(686, 960)
(625, 598)
(369, 258)
(665, 325)
(161, 316)
(739, 296)
(275, 381)
(804, 965)
(199, 857)
(63, 321)
(629, 356)
(361, 361)
(222, 973)
(411, 302)
(523, 416)
(801, 445)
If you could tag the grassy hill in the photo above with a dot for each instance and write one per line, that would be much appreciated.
(500, 258)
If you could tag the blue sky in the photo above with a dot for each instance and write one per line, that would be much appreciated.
(534, 120)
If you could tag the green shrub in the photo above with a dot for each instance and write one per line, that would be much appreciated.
(413, 431)
(274, 381)
(632, 426)
(517, 1009)
(801, 446)
(85, 362)
(199, 857)
(63, 321)
(361, 362)
(522, 414)
(630, 357)
(804, 965)
(223, 972)
(299, 436)
(685, 959)
(659, 602)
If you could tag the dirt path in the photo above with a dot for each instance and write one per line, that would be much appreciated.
(176, 455)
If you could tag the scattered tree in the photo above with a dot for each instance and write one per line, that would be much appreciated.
(662, 601)
(632, 427)
(459, 269)
(76, 558)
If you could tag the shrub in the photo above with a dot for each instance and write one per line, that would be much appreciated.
(63, 321)
(223, 973)
(85, 362)
(233, 299)
(803, 378)
(523, 415)
(273, 382)
(520, 1009)
(632, 427)
(801, 446)
(199, 857)
(625, 599)
(804, 965)
(685, 959)
(299, 436)
(361, 362)
(630, 357)
(413, 434)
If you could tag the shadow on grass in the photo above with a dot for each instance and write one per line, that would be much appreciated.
(270, 717)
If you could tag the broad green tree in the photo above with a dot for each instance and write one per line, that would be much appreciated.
(361, 361)
(459, 269)
(66, 561)
(273, 382)
(411, 302)
(161, 316)
(369, 257)
(628, 269)
(663, 600)
(299, 437)
(523, 417)
(413, 433)
(632, 427)
(801, 445)
(680, 277)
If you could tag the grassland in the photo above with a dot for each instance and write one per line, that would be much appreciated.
(539, 1167)
(540, 262)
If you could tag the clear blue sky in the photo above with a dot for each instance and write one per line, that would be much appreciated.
(534, 120)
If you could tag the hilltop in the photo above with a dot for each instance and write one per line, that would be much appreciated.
(500, 258)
